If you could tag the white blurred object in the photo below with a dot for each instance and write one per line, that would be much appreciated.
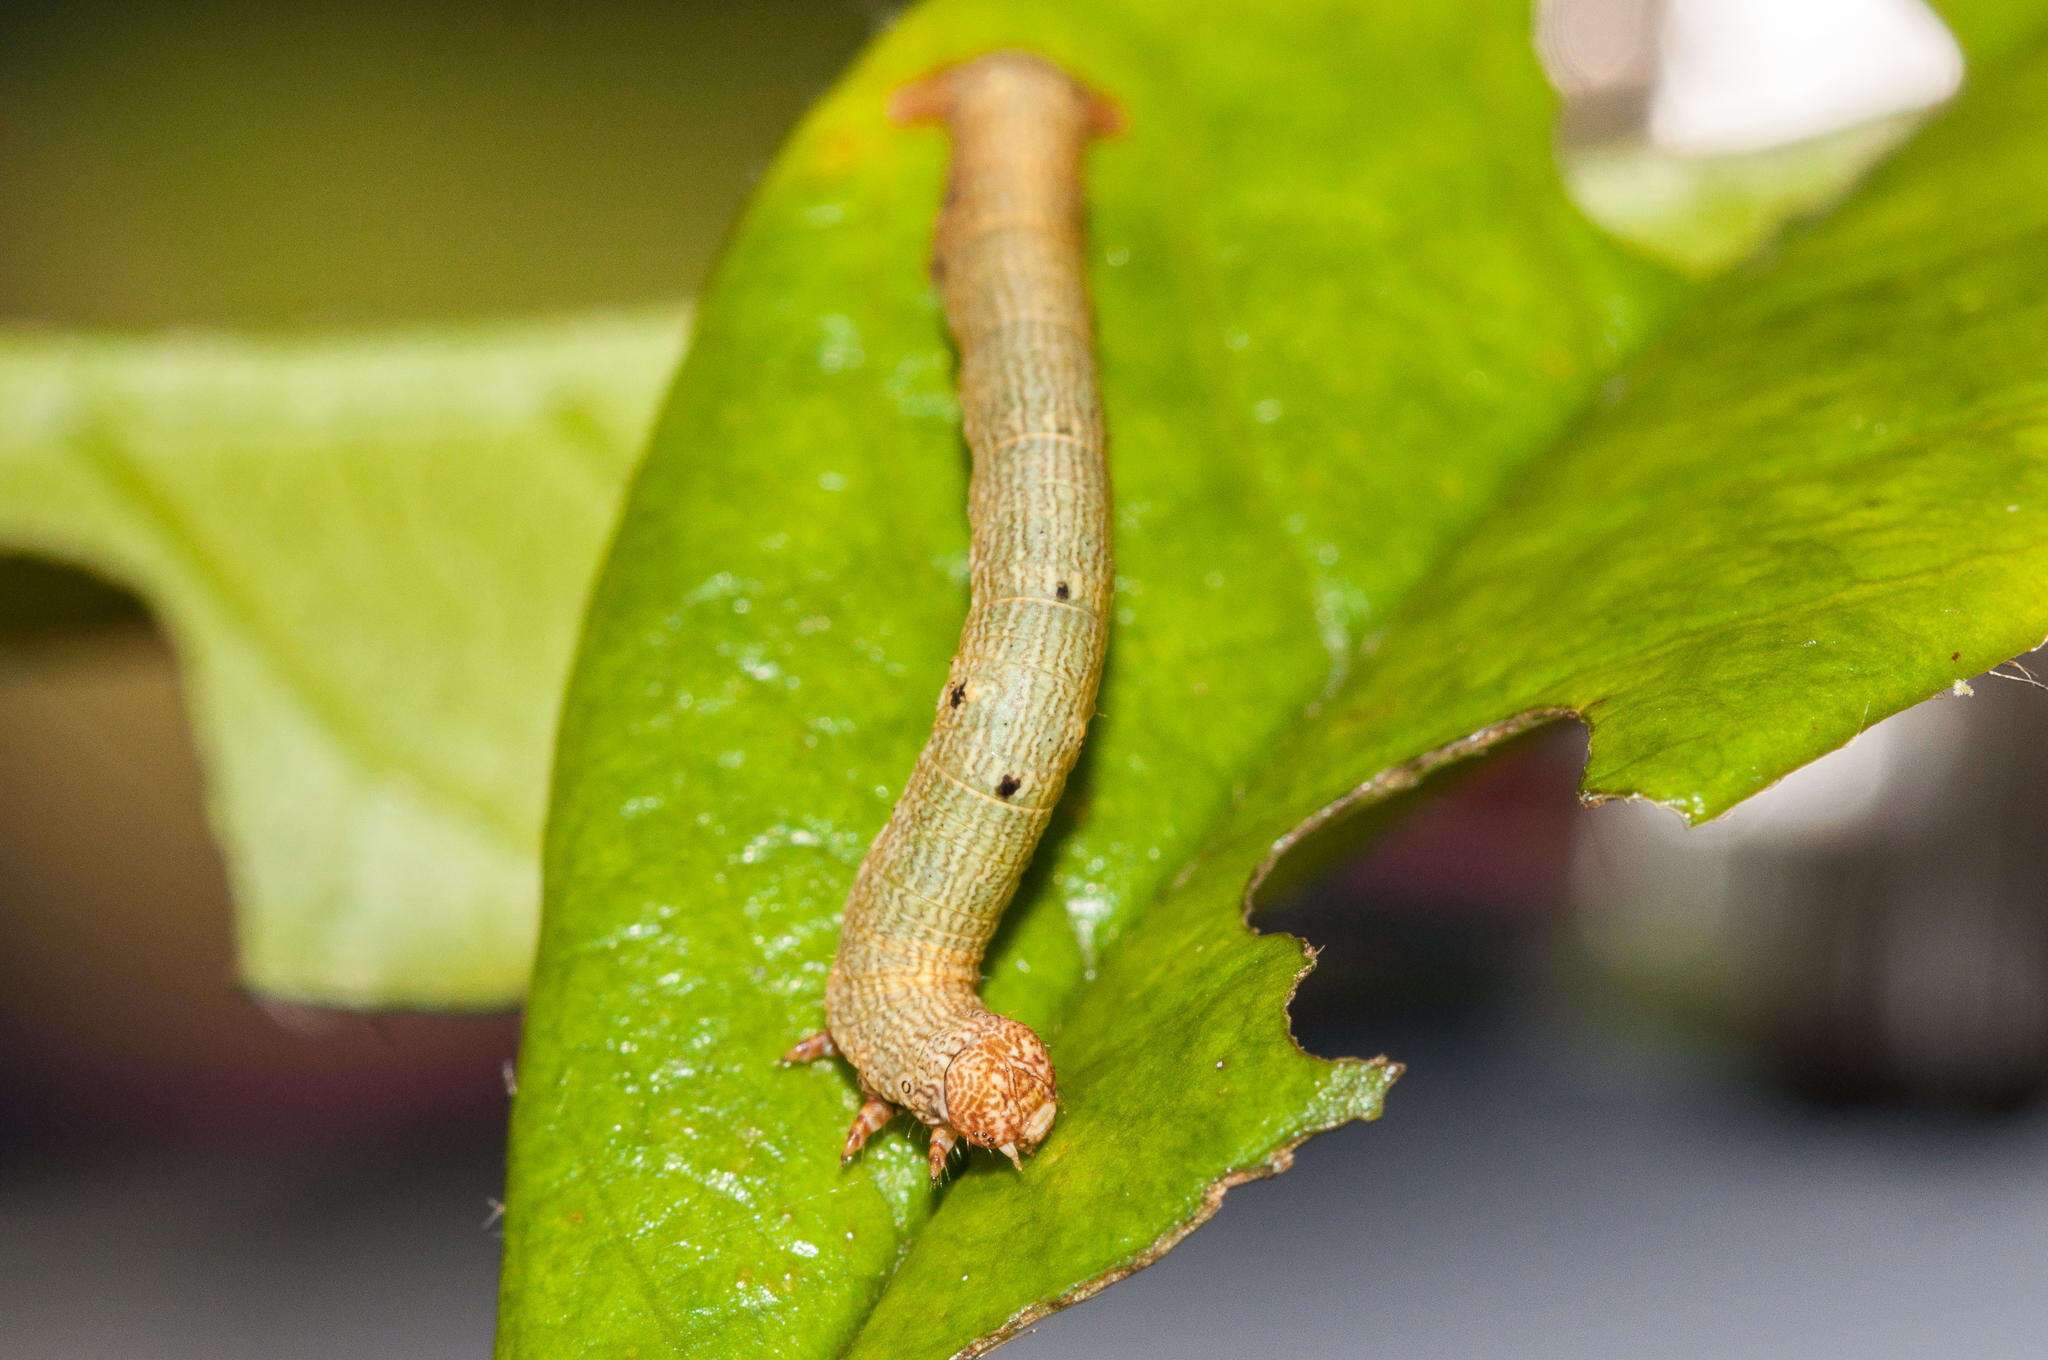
(1741, 75)
(1593, 46)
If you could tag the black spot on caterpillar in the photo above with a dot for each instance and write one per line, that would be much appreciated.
(901, 1002)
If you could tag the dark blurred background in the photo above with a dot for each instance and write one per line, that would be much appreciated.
(1766, 1090)
(274, 166)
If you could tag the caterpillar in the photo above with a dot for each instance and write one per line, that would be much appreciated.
(902, 1002)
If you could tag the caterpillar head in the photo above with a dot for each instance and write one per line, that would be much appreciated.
(999, 1089)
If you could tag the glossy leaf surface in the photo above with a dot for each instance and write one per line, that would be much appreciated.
(1347, 318)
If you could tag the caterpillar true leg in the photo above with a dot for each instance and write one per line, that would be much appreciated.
(873, 1114)
(901, 1002)
(810, 1048)
(943, 1141)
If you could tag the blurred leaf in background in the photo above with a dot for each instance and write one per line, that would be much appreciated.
(371, 556)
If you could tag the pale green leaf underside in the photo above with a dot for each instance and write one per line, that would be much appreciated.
(371, 556)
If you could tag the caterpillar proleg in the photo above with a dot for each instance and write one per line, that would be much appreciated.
(902, 1000)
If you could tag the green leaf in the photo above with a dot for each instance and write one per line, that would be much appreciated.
(371, 557)
(1331, 211)
(1822, 498)
(1342, 303)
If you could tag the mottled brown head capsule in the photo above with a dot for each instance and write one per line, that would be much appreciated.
(1000, 1091)
(901, 1002)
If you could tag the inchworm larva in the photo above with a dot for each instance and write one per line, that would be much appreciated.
(901, 1002)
